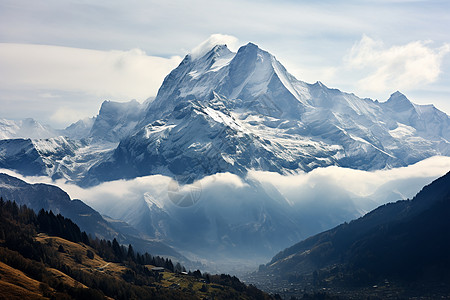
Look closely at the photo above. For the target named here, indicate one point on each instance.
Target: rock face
(116, 120)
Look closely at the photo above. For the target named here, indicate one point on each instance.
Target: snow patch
(402, 131)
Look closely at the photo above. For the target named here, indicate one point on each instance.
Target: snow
(163, 130)
(402, 131)
(221, 111)
(26, 128)
(194, 74)
(222, 62)
(150, 200)
(219, 119)
(296, 88)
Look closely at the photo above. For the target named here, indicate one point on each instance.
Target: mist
(223, 220)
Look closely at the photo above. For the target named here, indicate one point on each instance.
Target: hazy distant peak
(26, 128)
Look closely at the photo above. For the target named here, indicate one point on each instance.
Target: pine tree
(85, 238)
(117, 250)
(130, 253)
(178, 268)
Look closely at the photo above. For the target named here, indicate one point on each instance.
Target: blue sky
(60, 59)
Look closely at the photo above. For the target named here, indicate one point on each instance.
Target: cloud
(398, 67)
(118, 74)
(359, 183)
(309, 37)
(257, 215)
(369, 187)
(63, 115)
(213, 40)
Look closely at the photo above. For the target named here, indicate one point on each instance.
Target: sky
(60, 59)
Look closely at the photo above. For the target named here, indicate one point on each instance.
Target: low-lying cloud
(368, 188)
(223, 216)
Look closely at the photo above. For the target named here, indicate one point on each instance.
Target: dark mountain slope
(404, 242)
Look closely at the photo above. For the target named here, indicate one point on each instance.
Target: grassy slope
(14, 284)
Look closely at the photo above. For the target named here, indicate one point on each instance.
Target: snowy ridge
(250, 113)
(116, 120)
(235, 112)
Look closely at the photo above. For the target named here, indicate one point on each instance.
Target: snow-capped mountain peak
(221, 111)
(398, 102)
(251, 78)
(215, 52)
(226, 112)
(116, 120)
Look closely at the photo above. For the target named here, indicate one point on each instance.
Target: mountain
(67, 153)
(116, 120)
(234, 112)
(49, 197)
(79, 129)
(26, 128)
(57, 157)
(231, 112)
(399, 243)
(219, 221)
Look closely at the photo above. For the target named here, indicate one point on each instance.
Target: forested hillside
(397, 250)
(46, 256)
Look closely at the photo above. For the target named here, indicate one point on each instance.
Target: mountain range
(222, 114)
(232, 112)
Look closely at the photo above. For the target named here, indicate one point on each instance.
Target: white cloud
(321, 187)
(398, 67)
(359, 183)
(118, 74)
(213, 40)
(309, 37)
(263, 204)
(64, 115)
